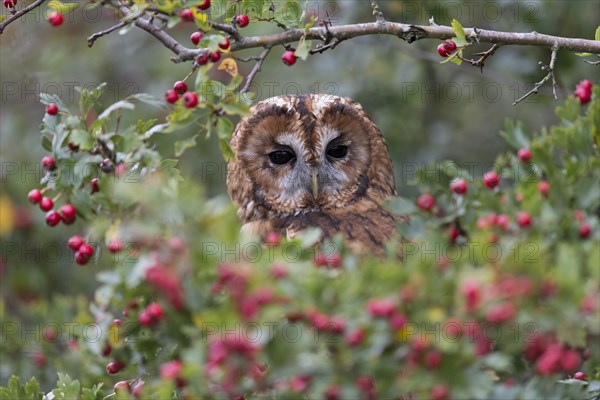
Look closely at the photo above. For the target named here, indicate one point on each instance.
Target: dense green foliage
(496, 292)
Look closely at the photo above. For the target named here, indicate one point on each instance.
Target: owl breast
(312, 160)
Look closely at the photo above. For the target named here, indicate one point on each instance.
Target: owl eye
(281, 157)
(338, 151)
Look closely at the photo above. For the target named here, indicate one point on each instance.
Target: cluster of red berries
(583, 91)
(446, 48)
(83, 250)
(151, 315)
(333, 260)
(10, 3)
(189, 99)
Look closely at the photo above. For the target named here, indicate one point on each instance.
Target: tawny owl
(312, 160)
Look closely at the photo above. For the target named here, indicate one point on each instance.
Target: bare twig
(549, 76)
(231, 30)
(376, 12)
(484, 56)
(98, 35)
(322, 48)
(19, 14)
(247, 59)
(256, 69)
(593, 62)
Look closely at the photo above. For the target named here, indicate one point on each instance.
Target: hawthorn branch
(484, 56)
(261, 59)
(410, 33)
(231, 30)
(92, 38)
(19, 14)
(549, 76)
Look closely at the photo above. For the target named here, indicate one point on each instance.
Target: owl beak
(315, 182)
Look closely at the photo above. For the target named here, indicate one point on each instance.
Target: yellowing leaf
(199, 16)
(63, 8)
(230, 66)
(461, 38)
(3, 17)
(7, 215)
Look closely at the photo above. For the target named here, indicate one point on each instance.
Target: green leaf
(513, 134)
(597, 35)
(224, 128)
(149, 99)
(183, 145)
(46, 143)
(226, 149)
(303, 48)
(116, 106)
(32, 389)
(81, 138)
(167, 166)
(453, 57)
(66, 387)
(461, 38)
(47, 98)
(583, 54)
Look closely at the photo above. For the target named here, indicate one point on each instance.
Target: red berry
(186, 15)
(202, 59)
(86, 250)
(570, 360)
(171, 369)
(355, 337)
(75, 242)
(205, 5)
(491, 179)
(523, 219)
(273, 238)
(180, 87)
(320, 259)
(46, 204)
(584, 230)
(441, 49)
(48, 162)
(137, 390)
(439, 392)
(214, 56)
(39, 359)
(524, 155)
(56, 19)
(106, 166)
(73, 147)
(122, 386)
(115, 246)
(155, 311)
(242, 20)
(171, 96)
(433, 359)
(459, 186)
(95, 185)
(68, 212)
(289, 57)
(51, 109)
(450, 45)
(52, 218)
(333, 392)
(145, 319)
(426, 202)
(106, 350)
(35, 196)
(115, 367)
(582, 376)
(10, 3)
(544, 188)
(334, 260)
(196, 36)
(583, 91)
(190, 99)
(381, 307)
(225, 45)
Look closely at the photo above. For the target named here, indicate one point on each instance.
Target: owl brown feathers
(312, 160)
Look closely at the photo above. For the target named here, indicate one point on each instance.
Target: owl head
(304, 154)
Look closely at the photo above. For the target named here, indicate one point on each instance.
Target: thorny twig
(92, 38)
(256, 69)
(549, 76)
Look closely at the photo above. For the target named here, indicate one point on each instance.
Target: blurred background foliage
(427, 111)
